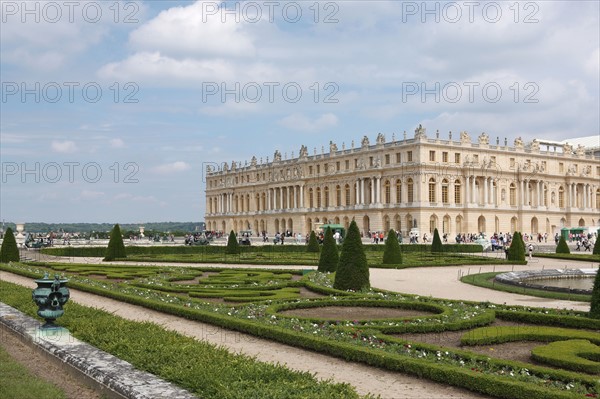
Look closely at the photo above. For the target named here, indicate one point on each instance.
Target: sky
(111, 110)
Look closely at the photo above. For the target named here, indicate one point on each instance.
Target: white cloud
(65, 147)
(117, 143)
(301, 122)
(169, 168)
(90, 195)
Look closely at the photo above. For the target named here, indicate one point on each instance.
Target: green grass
(17, 382)
(485, 280)
(202, 368)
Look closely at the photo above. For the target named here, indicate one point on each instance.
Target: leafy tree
(392, 254)
(436, 245)
(516, 251)
(313, 244)
(352, 271)
(562, 247)
(116, 248)
(596, 250)
(9, 251)
(329, 255)
(595, 305)
(232, 245)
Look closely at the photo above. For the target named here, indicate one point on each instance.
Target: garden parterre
(359, 340)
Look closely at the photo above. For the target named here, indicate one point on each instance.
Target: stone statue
(420, 132)
(209, 168)
(580, 151)
(567, 148)
(303, 152)
(364, 142)
(277, 156)
(253, 161)
(464, 137)
(361, 164)
(571, 170)
(332, 147)
(380, 139)
(233, 165)
(225, 167)
(378, 162)
(484, 139)
(535, 145)
(519, 142)
(586, 171)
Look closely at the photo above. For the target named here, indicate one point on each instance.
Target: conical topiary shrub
(9, 251)
(392, 254)
(232, 245)
(596, 250)
(329, 255)
(352, 271)
(562, 247)
(116, 248)
(313, 244)
(436, 245)
(516, 251)
(595, 305)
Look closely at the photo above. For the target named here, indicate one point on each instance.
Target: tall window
(545, 195)
(513, 194)
(457, 196)
(318, 197)
(398, 157)
(398, 191)
(598, 203)
(457, 157)
(387, 192)
(338, 196)
(347, 194)
(326, 196)
(432, 190)
(561, 197)
(445, 157)
(409, 156)
(387, 159)
(410, 190)
(445, 191)
(311, 202)
(432, 156)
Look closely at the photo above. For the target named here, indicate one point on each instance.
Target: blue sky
(110, 110)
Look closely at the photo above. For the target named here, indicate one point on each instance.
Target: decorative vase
(50, 297)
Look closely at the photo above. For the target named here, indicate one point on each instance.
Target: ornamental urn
(50, 296)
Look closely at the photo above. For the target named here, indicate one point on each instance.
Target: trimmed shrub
(562, 247)
(516, 251)
(313, 244)
(329, 255)
(9, 251)
(352, 271)
(392, 253)
(596, 250)
(436, 245)
(232, 245)
(595, 305)
(116, 248)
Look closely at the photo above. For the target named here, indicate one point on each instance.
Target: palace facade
(412, 185)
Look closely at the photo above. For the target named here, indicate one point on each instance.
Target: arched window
(598, 201)
(387, 192)
(338, 195)
(398, 192)
(347, 194)
(326, 196)
(513, 194)
(410, 189)
(432, 190)
(457, 196)
(318, 197)
(445, 191)
(561, 197)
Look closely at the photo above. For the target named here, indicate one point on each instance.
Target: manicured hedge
(549, 319)
(501, 334)
(577, 355)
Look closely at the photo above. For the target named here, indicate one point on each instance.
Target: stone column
(362, 191)
(474, 190)
(485, 191)
(302, 196)
(467, 193)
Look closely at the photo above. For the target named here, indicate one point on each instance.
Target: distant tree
(116, 248)
(313, 244)
(436, 245)
(392, 254)
(329, 255)
(352, 271)
(516, 251)
(596, 250)
(595, 304)
(563, 247)
(9, 251)
(232, 245)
